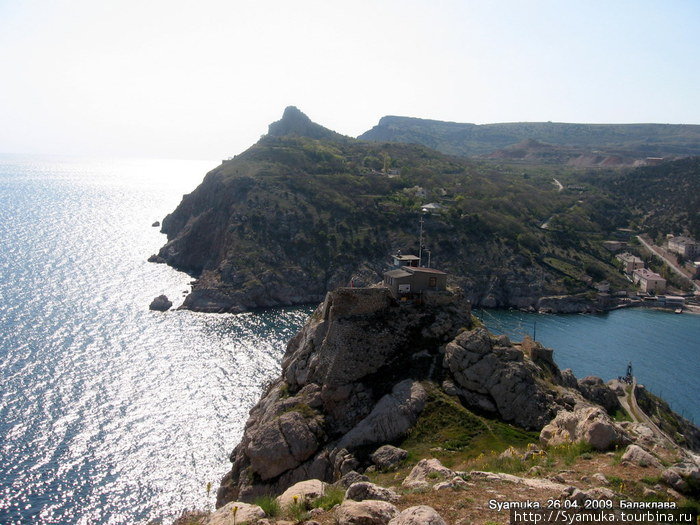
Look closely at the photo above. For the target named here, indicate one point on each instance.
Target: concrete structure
(649, 281)
(410, 281)
(629, 262)
(684, 246)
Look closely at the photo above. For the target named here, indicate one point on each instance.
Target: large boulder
(367, 512)
(425, 472)
(419, 515)
(388, 456)
(234, 513)
(586, 424)
(308, 490)
(365, 490)
(637, 455)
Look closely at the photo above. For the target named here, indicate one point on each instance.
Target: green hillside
(295, 216)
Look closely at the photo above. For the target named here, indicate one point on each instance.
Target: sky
(202, 80)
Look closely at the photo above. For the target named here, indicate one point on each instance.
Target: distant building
(629, 262)
(407, 281)
(614, 246)
(649, 281)
(432, 207)
(684, 246)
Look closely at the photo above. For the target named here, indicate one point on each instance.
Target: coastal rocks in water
(388, 456)
(426, 471)
(156, 259)
(161, 303)
(365, 490)
(565, 304)
(418, 515)
(367, 512)
(155, 224)
(499, 379)
(235, 512)
(305, 491)
(588, 424)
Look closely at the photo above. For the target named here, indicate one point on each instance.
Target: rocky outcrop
(355, 378)
(496, 377)
(160, 303)
(587, 424)
(350, 383)
(595, 390)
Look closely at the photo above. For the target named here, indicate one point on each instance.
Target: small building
(649, 281)
(432, 207)
(405, 260)
(409, 281)
(614, 246)
(685, 246)
(630, 262)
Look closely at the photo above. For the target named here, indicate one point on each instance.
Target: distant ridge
(465, 139)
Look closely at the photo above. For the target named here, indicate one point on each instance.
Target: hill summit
(295, 123)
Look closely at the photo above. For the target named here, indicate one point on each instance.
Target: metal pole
(420, 247)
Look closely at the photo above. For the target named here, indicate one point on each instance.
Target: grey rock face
(365, 490)
(499, 378)
(160, 303)
(595, 390)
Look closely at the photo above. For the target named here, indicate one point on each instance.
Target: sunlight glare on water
(109, 412)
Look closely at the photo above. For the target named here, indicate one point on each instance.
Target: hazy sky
(203, 79)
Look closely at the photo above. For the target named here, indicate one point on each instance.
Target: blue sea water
(111, 413)
(664, 347)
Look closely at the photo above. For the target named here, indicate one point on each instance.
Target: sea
(111, 413)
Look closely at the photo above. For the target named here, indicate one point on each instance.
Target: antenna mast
(420, 247)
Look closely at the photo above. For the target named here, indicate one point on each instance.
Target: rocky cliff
(362, 371)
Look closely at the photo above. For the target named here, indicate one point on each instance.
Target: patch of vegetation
(298, 510)
(621, 414)
(454, 434)
(269, 504)
(332, 497)
(303, 409)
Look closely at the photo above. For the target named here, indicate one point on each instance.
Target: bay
(664, 347)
